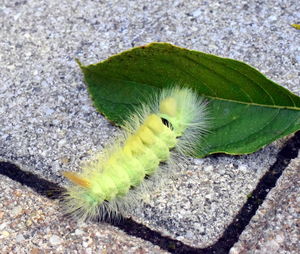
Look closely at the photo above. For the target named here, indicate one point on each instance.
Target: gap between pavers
(33, 224)
(275, 227)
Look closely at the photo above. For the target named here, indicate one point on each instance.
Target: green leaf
(248, 110)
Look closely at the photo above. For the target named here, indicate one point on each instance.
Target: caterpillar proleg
(172, 123)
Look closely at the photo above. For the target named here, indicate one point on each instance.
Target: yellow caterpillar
(172, 123)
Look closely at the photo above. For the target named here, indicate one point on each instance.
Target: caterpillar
(170, 124)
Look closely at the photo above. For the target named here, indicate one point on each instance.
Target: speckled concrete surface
(32, 224)
(275, 228)
(204, 197)
(48, 123)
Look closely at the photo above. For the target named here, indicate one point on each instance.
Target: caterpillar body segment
(170, 124)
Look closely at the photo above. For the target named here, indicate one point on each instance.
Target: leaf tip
(297, 26)
(79, 63)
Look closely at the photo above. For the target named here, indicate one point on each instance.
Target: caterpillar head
(168, 109)
(186, 116)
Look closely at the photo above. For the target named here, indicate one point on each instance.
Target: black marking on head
(167, 123)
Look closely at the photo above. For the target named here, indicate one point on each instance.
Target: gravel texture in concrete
(203, 198)
(275, 228)
(48, 123)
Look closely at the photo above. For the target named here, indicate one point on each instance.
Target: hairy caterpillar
(172, 123)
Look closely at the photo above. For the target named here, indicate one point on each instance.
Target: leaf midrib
(210, 97)
(255, 133)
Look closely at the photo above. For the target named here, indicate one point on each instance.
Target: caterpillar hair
(171, 124)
